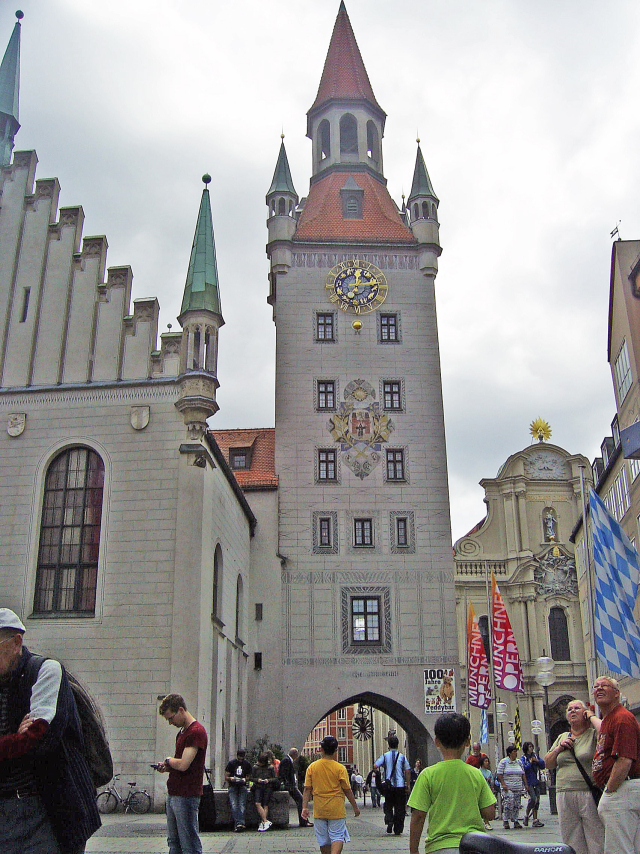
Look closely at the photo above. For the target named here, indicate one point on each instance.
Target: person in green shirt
(454, 795)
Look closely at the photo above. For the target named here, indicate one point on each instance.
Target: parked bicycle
(485, 843)
(137, 800)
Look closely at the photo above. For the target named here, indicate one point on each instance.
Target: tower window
(257, 661)
(324, 135)
(365, 619)
(348, 134)
(622, 372)
(363, 533)
(402, 532)
(389, 328)
(373, 148)
(392, 395)
(416, 211)
(325, 327)
(326, 399)
(259, 610)
(425, 210)
(327, 467)
(395, 464)
(324, 532)
(282, 207)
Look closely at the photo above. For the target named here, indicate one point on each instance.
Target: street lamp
(545, 677)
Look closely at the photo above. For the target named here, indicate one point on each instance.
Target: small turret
(422, 207)
(282, 201)
(200, 318)
(9, 93)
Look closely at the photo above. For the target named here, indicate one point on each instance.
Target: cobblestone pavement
(146, 834)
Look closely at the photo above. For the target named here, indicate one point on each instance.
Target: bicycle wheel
(106, 802)
(139, 802)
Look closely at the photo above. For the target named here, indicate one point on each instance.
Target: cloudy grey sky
(529, 120)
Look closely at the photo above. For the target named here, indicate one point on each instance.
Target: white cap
(10, 620)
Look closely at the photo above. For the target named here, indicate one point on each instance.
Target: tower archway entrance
(354, 714)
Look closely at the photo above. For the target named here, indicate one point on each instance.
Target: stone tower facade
(368, 598)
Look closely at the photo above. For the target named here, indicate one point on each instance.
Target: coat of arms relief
(360, 428)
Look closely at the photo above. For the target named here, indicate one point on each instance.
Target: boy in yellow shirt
(454, 795)
(327, 780)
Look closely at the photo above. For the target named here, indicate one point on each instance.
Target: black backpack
(96, 745)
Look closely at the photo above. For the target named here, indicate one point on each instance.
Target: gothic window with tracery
(67, 571)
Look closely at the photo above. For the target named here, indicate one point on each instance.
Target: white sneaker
(261, 827)
(267, 825)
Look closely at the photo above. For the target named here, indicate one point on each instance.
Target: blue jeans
(238, 801)
(182, 825)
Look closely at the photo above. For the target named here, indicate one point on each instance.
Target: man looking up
(328, 782)
(616, 769)
(185, 769)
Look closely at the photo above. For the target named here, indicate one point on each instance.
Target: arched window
(273, 207)
(348, 135)
(239, 607)
(216, 598)
(425, 210)
(559, 635)
(67, 572)
(416, 211)
(483, 625)
(324, 135)
(290, 208)
(282, 207)
(373, 149)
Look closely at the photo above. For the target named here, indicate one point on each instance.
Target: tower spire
(282, 180)
(421, 185)
(344, 77)
(201, 290)
(9, 93)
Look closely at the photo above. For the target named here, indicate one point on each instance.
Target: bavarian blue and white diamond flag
(484, 727)
(617, 575)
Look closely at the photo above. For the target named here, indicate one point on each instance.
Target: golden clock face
(357, 286)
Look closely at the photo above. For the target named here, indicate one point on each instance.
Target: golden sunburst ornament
(540, 430)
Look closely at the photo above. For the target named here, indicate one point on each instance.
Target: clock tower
(368, 601)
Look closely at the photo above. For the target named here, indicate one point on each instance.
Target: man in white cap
(47, 799)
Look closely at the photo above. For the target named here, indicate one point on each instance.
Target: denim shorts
(330, 830)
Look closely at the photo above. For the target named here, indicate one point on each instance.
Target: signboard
(439, 690)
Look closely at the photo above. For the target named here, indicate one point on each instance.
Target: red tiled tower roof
(261, 443)
(322, 217)
(344, 76)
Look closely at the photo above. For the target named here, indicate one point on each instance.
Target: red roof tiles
(344, 75)
(322, 216)
(261, 473)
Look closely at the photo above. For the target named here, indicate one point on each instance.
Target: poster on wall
(439, 690)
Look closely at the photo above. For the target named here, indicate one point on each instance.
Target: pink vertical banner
(507, 668)
(478, 677)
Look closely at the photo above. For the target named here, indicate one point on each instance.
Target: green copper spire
(282, 181)
(201, 289)
(9, 93)
(421, 185)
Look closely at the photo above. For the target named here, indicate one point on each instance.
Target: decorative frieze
(359, 576)
(330, 259)
(89, 394)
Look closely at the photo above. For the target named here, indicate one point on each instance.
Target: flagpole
(588, 553)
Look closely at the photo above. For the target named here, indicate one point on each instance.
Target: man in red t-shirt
(476, 758)
(616, 769)
(185, 776)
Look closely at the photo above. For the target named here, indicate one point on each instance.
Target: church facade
(271, 576)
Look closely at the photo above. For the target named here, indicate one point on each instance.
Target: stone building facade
(532, 505)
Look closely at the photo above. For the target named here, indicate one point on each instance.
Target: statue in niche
(550, 525)
(555, 574)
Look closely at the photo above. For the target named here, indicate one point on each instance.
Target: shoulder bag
(386, 785)
(596, 791)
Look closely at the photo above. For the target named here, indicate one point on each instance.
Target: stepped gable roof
(344, 76)
(322, 217)
(261, 443)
